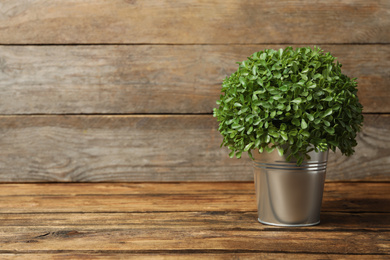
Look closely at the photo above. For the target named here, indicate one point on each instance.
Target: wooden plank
(153, 148)
(195, 21)
(330, 221)
(135, 203)
(183, 197)
(153, 78)
(334, 190)
(189, 228)
(179, 255)
(113, 148)
(201, 231)
(174, 188)
(192, 239)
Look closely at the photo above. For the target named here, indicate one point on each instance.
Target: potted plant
(287, 108)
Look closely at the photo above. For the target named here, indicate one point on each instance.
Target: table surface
(184, 221)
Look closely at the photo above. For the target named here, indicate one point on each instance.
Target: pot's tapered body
(287, 194)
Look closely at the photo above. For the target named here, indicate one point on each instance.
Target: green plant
(297, 99)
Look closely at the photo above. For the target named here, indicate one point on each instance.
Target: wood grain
(193, 239)
(194, 21)
(50, 227)
(153, 148)
(185, 197)
(153, 78)
(371, 152)
(334, 190)
(231, 219)
(178, 255)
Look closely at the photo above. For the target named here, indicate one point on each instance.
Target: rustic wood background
(123, 90)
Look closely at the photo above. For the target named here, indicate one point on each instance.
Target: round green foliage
(289, 98)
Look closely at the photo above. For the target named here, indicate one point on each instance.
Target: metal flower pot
(287, 194)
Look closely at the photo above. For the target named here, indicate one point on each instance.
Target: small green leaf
(269, 149)
(249, 117)
(231, 154)
(242, 99)
(296, 122)
(260, 91)
(273, 133)
(280, 151)
(333, 142)
(310, 116)
(295, 68)
(327, 112)
(283, 88)
(284, 136)
(229, 122)
(327, 123)
(228, 100)
(237, 104)
(300, 160)
(238, 155)
(316, 76)
(297, 100)
(305, 93)
(293, 132)
(328, 98)
(250, 155)
(242, 81)
(280, 53)
(303, 124)
(235, 126)
(257, 121)
(277, 74)
(248, 146)
(336, 107)
(242, 111)
(330, 130)
(254, 70)
(259, 81)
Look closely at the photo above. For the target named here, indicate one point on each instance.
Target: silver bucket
(287, 194)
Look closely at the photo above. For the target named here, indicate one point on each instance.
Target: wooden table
(184, 221)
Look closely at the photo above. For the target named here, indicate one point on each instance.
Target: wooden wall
(123, 90)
